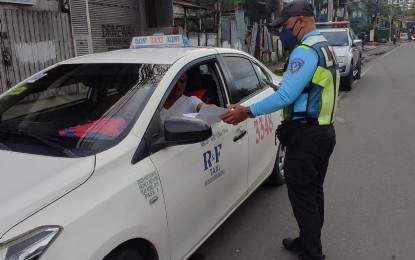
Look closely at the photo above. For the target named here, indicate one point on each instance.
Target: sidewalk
(376, 50)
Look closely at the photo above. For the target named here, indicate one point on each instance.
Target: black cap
(295, 8)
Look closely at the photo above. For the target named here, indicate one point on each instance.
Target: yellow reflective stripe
(303, 47)
(284, 114)
(324, 79)
(337, 94)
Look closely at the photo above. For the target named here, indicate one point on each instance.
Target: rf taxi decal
(211, 160)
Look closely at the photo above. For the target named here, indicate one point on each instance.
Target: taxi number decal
(263, 126)
(149, 185)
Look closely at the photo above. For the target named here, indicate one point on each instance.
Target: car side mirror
(271, 84)
(176, 130)
(357, 42)
(186, 130)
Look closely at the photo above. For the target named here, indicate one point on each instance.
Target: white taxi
(89, 170)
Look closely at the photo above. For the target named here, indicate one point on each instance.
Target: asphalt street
(370, 184)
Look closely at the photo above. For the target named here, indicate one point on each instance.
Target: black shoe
(301, 257)
(291, 244)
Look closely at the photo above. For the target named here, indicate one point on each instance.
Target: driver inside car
(179, 104)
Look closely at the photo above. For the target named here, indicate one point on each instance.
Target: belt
(304, 122)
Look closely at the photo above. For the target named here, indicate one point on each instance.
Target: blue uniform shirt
(301, 67)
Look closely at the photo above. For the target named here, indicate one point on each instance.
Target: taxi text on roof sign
(159, 41)
(341, 24)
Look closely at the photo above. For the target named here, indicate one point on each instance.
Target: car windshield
(336, 38)
(76, 110)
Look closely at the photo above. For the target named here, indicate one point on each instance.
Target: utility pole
(330, 11)
(346, 13)
(390, 21)
(218, 23)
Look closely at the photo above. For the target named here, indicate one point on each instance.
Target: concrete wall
(41, 5)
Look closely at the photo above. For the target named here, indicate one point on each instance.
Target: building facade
(35, 34)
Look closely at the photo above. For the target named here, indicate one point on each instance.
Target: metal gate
(31, 41)
(104, 25)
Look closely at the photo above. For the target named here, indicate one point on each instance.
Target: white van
(404, 36)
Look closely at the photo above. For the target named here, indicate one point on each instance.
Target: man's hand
(237, 114)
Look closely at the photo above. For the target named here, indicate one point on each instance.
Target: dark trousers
(307, 158)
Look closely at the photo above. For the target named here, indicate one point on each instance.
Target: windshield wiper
(43, 140)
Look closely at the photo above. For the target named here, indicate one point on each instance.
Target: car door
(247, 88)
(202, 182)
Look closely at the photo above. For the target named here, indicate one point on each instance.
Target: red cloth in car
(197, 93)
(106, 126)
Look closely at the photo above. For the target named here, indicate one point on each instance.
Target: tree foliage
(250, 6)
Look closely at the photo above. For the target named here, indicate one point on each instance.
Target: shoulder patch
(296, 64)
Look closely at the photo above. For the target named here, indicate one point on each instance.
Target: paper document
(211, 114)
(190, 115)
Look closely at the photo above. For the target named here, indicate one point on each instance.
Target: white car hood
(341, 50)
(30, 182)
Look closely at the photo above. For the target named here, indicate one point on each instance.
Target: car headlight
(341, 59)
(31, 245)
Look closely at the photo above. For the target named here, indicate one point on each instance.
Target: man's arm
(199, 106)
(301, 67)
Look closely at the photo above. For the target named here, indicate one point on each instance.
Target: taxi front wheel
(125, 254)
(277, 176)
(347, 82)
(359, 69)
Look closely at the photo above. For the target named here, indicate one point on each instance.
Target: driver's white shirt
(183, 105)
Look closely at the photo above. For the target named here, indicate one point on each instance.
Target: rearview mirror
(271, 84)
(357, 42)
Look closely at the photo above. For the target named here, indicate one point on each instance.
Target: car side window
(244, 77)
(202, 83)
(199, 81)
(352, 36)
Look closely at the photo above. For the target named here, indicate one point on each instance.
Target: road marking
(386, 54)
(363, 73)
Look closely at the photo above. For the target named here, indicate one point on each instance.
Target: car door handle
(242, 134)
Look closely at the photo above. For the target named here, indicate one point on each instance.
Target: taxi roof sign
(341, 24)
(159, 41)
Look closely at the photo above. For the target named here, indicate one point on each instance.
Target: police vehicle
(348, 49)
(89, 170)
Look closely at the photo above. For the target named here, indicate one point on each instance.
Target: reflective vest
(322, 91)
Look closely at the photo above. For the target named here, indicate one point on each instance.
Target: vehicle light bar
(159, 41)
(343, 24)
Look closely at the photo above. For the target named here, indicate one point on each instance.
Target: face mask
(287, 36)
